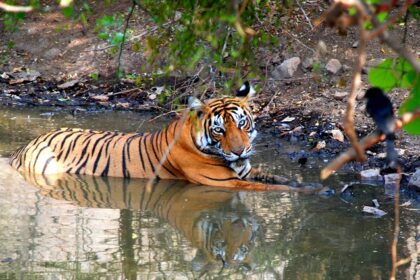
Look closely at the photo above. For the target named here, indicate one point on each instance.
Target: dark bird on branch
(380, 109)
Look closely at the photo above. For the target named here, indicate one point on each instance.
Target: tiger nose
(238, 152)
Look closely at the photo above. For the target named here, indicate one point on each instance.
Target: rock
(287, 69)
(319, 146)
(374, 211)
(371, 175)
(288, 119)
(333, 66)
(340, 95)
(101, 98)
(415, 179)
(337, 135)
(321, 47)
(25, 75)
(68, 84)
(355, 44)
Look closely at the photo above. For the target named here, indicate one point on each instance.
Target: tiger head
(224, 127)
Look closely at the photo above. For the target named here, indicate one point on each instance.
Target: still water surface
(82, 227)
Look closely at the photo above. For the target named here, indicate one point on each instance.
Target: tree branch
(14, 8)
(127, 21)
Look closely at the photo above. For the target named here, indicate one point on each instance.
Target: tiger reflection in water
(216, 221)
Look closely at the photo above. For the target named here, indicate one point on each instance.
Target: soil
(74, 69)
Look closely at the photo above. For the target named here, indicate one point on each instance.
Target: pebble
(415, 179)
(340, 95)
(287, 69)
(371, 175)
(333, 66)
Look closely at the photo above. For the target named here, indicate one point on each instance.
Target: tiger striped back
(89, 152)
(211, 146)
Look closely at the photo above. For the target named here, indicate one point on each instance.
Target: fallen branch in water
(366, 142)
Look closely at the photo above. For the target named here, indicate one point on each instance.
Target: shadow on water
(215, 221)
(176, 229)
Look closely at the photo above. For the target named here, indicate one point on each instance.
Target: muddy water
(74, 227)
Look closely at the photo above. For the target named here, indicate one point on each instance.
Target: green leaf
(408, 79)
(352, 11)
(414, 12)
(370, 2)
(382, 16)
(411, 104)
(382, 75)
(105, 21)
(103, 35)
(68, 11)
(117, 38)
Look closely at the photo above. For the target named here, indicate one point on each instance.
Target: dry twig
(355, 85)
(15, 8)
(127, 21)
(305, 14)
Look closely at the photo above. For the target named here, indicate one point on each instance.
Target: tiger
(216, 221)
(211, 145)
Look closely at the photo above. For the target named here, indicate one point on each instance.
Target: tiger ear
(196, 105)
(246, 90)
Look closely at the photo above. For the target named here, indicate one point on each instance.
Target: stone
(337, 135)
(371, 175)
(68, 84)
(415, 179)
(321, 48)
(340, 95)
(374, 211)
(287, 69)
(333, 66)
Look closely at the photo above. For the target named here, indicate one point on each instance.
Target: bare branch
(367, 142)
(304, 14)
(127, 21)
(355, 85)
(14, 8)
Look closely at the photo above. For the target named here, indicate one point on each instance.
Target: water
(81, 227)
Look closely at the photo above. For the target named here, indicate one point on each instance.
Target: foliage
(220, 32)
(397, 72)
(109, 28)
(221, 35)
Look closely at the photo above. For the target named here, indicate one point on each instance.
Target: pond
(82, 227)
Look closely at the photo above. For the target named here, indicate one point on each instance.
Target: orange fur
(137, 156)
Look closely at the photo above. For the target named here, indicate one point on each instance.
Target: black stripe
(126, 173)
(148, 157)
(219, 179)
(36, 158)
(141, 152)
(106, 169)
(71, 146)
(246, 175)
(46, 164)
